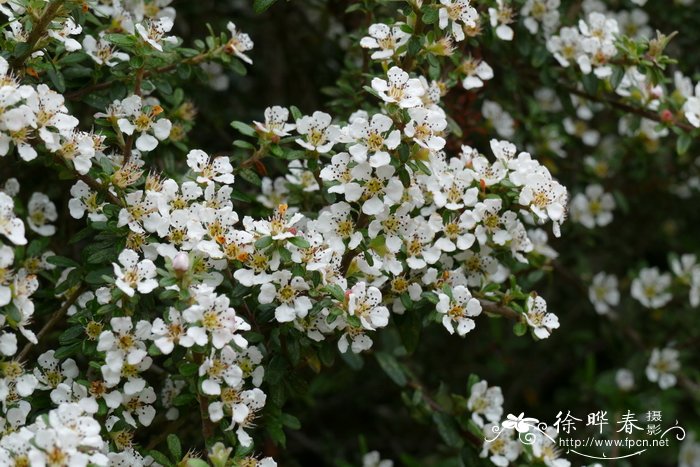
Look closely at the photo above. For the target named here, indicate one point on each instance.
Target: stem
(55, 318)
(145, 74)
(207, 425)
(627, 108)
(38, 30)
(92, 183)
(498, 309)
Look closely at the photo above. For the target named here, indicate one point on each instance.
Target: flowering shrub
(472, 170)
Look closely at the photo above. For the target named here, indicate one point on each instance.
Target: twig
(38, 30)
(498, 309)
(146, 74)
(648, 114)
(58, 316)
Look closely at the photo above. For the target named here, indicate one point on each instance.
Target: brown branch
(498, 309)
(38, 30)
(648, 114)
(145, 74)
(55, 318)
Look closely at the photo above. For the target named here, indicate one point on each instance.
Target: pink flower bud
(181, 262)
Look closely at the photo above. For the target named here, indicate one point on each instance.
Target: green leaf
(197, 463)
(448, 429)
(299, 242)
(250, 176)
(160, 458)
(430, 14)
(57, 79)
(391, 367)
(290, 421)
(261, 5)
(243, 128)
(187, 369)
(683, 143)
(121, 39)
(410, 326)
(263, 243)
(174, 446)
(62, 261)
(520, 329)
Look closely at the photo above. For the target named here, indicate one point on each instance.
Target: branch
(145, 74)
(38, 30)
(58, 316)
(498, 309)
(648, 114)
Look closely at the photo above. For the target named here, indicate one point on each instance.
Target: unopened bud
(181, 263)
(666, 116)
(219, 454)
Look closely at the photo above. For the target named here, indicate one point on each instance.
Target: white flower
(167, 334)
(545, 12)
(84, 199)
(338, 227)
(546, 450)
(425, 127)
(373, 459)
(500, 18)
(387, 39)
(420, 249)
(140, 405)
(102, 52)
(486, 401)
(276, 121)
(135, 119)
(689, 455)
(215, 317)
(691, 108)
(220, 369)
(365, 303)
(459, 309)
(286, 290)
(491, 223)
(7, 258)
(603, 292)
(41, 211)
(134, 274)
(123, 344)
(10, 226)
(566, 46)
(378, 190)
(154, 32)
(371, 142)
(69, 28)
(501, 120)
(456, 231)
(50, 372)
(399, 89)
(624, 379)
(320, 134)
(502, 450)
(239, 43)
(476, 71)
(456, 12)
(662, 367)
(651, 288)
(77, 147)
(593, 208)
(300, 175)
(218, 169)
(537, 317)
(545, 196)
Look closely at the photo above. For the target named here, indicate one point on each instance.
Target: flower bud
(181, 263)
(219, 454)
